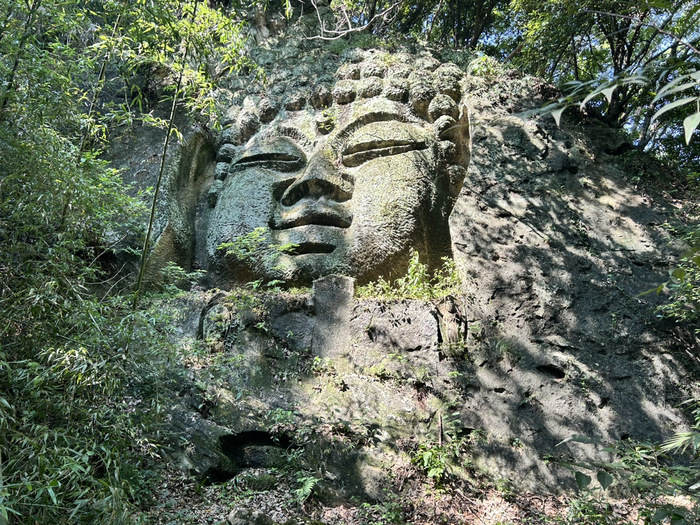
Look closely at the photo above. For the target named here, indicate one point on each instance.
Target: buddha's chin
(306, 264)
(309, 239)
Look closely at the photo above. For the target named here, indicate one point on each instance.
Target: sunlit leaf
(689, 124)
(52, 494)
(672, 105)
(578, 438)
(676, 89)
(664, 90)
(682, 441)
(678, 273)
(608, 92)
(591, 96)
(557, 115)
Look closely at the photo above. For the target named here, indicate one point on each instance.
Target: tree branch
(325, 33)
(654, 26)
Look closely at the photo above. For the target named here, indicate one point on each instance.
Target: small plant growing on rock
(174, 278)
(592, 507)
(386, 512)
(306, 484)
(436, 459)
(418, 283)
(244, 248)
(433, 460)
(323, 366)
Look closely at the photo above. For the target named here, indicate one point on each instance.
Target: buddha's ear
(459, 133)
(186, 177)
(452, 178)
(464, 137)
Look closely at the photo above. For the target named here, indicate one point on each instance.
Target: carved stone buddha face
(344, 180)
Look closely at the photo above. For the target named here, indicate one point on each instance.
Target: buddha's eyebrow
(289, 132)
(375, 116)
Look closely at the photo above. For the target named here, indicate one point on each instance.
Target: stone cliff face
(347, 172)
(552, 233)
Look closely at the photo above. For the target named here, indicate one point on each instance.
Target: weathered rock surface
(359, 404)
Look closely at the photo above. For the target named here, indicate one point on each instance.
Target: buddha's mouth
(309, 247)
(319, 213)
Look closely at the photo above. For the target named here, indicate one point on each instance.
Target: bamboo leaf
(590, 97)
(672, 105)
(557, 115)
(608, 92)
(671, 85)
(690, 123)
(52, 494)
(676, 89)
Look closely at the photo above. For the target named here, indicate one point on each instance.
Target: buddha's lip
(310, 248)
(319, 213)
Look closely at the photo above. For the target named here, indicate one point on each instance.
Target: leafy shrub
(72, 447)
(418, 283)
(684, 287)
(651, 472)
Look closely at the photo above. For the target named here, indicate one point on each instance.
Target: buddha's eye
(278, 154)
(382, 139)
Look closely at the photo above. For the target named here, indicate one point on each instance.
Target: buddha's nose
(320, 178)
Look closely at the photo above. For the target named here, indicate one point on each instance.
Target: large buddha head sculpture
(343, 177)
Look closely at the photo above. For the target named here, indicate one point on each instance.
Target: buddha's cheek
(244, 204)
(392, 195)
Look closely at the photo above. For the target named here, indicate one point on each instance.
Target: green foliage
(323, 366)
(246, 247)
(592, 507)
(646, 470)
(684, 288)
(71, 445)
(418, 283)
(684, 440)
(174, 278)
(150, 45)
(437, 459)
(75, 360)
(687, 84)
(627, 63)
(387, 512)
(447, 22)
(433, 460)
(305, 487)
(486, 67)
